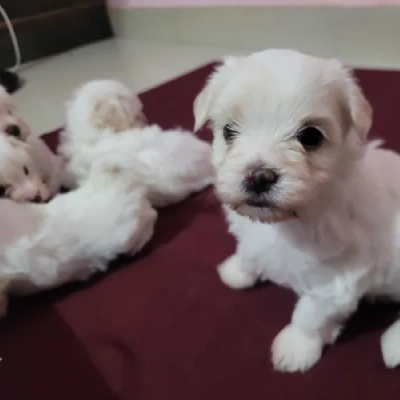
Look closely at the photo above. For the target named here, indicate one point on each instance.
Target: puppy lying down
(173, 164)
(20, 176)
(47, 165)
(107, 117)
(73, 236)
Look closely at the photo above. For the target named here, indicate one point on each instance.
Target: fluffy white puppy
(98, 109)
(10, 123)
(73, 236)
(173, 163)
(312, 206)
(103, 106)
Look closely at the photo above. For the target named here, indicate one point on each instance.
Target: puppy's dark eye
(13, 130)
(310, 138)
(229, 133)
(26, 170)
(2, 191)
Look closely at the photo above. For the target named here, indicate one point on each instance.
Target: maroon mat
(163, 327)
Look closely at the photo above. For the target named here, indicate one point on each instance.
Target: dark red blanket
(163, 327)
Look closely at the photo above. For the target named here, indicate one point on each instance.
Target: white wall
(359, 36)
(206, 3)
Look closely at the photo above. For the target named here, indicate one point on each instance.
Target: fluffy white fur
(98, 109)
(329, 227)
(49, 165)
(73, 236)
(173, 163)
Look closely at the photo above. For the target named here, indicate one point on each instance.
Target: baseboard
(53, 32)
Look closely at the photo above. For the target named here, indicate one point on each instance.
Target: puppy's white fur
(48, 165)
(46, 245)
(330, 228)
(173, 163)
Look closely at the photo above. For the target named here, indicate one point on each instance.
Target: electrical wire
(14, 40)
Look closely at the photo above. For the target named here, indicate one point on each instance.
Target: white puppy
(20, 178)
(98, 109)
(312, 206)
(73, 236)
(48, 165)
(174, 163)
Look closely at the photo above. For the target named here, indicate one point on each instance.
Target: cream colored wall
(362, 36)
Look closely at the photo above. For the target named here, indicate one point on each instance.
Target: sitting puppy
(20, 178)
(48, 165)
(105, 118)
(73, 236)
(312, 206)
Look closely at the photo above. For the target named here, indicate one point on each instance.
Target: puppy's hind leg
(390, 345)
(233, 273)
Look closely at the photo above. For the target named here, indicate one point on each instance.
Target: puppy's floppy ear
(202, 104)
(205, 99)
(359, 107)
(361, 112)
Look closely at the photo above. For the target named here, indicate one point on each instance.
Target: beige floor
(50, 82)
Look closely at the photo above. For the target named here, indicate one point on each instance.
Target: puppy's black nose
(260, 181)
(13, 130)
(37, 199)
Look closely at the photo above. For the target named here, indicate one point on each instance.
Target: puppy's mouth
(258, 203)
(261, 210)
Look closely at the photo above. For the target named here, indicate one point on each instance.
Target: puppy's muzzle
(259, 181)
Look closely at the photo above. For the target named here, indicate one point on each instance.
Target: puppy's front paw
(295, 350)
(390, 345)
(233, 274)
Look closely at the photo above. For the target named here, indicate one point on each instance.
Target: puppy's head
(19, 179)
(10, 123)
(105, 105)
(285, 124)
